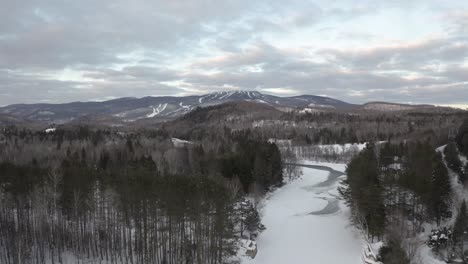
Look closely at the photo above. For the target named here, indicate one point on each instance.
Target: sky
(408, 51)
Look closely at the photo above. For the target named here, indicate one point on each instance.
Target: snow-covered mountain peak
(166, 107)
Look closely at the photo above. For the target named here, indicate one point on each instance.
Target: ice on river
(306, 224)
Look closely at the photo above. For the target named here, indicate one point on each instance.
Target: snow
(158, 110)
(396, 166)
(308, 110)
(214, 95)
(463, 159)
(425, 255)
(155, 113)
(185, 107)
(281, 142)
(297, 233)
(246, 245)
(179, 142)
(321, 106)
(200, 100)
(337, 148)
(370, 255)
(441, 149)
(50, 130)
(227, 95)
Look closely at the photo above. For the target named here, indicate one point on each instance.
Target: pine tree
(441, 190)
(452, 157)
(392, 252)
(249, 218)
(419, 170)
(462, 138)
(363, 192)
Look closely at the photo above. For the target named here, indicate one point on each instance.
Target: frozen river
(305, 222)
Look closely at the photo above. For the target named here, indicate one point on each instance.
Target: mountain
(160, 108)
(148, 110)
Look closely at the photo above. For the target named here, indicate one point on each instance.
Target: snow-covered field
(306, 224)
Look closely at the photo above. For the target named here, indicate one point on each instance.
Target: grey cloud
(28, 88)
(138, 48)
(407, 57)
(94, 32)
(457, 74)
(58, 33)
(287, 69)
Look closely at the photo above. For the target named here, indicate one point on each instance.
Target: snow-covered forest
(234, 132)
(409, 199)
(82, 196)
(209, 188)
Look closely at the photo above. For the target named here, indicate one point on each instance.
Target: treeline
(462, 138)
(91, 196)
(453, 150)
(256, 165)
(393, 189)
(452, 159)
(322, 127)
(329, 153)
(340, 128)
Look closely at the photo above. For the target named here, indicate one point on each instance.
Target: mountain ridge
(130, 109)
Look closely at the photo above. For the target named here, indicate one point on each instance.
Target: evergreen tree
(386, 154)
(363, 192)
(393, 253)
(441, 190)
(418, 170)
(462, 138)
(249, 218)
(452, 157)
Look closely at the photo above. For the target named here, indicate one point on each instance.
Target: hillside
(152, 110)
(162, 108)
(212, 118)
(394, 107)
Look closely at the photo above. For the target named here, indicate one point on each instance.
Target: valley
(233, 132)
(235, 180)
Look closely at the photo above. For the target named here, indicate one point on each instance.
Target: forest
(187, 191)
(320, 127)
(99, 196)
(340, 128)
(395, 189)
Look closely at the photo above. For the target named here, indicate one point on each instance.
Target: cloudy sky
(412, 51)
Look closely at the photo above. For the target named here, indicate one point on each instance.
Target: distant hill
(166, 107)
(7, 120)
(158, 109)
(239, 114)
(394, 107)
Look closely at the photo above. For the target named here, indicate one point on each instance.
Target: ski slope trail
(306, 223)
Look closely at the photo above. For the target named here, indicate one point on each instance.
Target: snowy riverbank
(307, 224)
